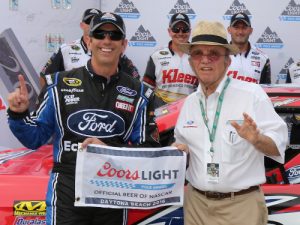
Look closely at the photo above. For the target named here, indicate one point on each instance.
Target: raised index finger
(23, 88)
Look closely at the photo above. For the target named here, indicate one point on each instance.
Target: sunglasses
(113, 35)
(212, 56)
(182, 29)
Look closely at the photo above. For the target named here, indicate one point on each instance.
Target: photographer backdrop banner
(41, 26)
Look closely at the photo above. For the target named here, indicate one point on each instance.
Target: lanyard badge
(213, 172)
(213, 169)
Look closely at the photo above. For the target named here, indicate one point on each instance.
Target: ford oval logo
(96, 123)
(126, 91)
(293, 172)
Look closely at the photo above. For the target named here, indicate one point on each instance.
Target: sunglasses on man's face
(182, 29)
(113, 35)
(212, 56)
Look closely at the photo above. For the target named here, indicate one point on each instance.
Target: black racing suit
(80, 104)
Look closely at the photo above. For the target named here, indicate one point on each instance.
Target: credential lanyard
(212, 134)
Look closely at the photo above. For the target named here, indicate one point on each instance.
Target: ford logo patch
(293, 173)
(126, 91)
(96, 123)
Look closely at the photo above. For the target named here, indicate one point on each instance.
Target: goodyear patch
(29, 208)
(73, 82)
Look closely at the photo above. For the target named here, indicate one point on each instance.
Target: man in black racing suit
(97, 101)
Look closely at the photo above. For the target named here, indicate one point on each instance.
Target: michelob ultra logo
(29, 208)
(73, 82)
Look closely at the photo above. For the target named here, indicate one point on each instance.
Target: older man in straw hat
(228, 126)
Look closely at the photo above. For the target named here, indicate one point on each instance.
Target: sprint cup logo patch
(73, 82)
(29, 208)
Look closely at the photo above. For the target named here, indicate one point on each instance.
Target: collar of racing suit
(83, 45)
(99, 77)
(248, 49)
(170, 47)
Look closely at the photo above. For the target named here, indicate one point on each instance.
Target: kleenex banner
(141, 178)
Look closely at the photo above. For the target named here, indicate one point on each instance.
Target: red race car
(24, 173)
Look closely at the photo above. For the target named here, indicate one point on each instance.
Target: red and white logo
(2, 104)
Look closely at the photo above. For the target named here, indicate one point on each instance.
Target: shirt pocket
(234, 147)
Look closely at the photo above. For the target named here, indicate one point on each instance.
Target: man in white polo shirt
(229, 126)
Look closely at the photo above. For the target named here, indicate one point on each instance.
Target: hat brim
(105, 22)
(241, 20)
(174, 23)
(186, 47)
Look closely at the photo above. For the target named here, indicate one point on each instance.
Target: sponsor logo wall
(275, 22)
(275, 26)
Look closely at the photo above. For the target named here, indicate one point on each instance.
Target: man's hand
(181, 147)
(18, 100)
(248, 130)
(92, 140)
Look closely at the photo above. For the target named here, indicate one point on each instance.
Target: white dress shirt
(241, 165)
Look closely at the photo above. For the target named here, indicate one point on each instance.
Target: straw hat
(209, 33)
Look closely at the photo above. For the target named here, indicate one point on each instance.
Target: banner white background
(141, 178)
(34, 19)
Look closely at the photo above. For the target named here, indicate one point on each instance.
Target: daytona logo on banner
(141, 178)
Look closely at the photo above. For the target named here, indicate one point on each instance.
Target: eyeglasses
(113, 35)
(182, 29)
(212, 56)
